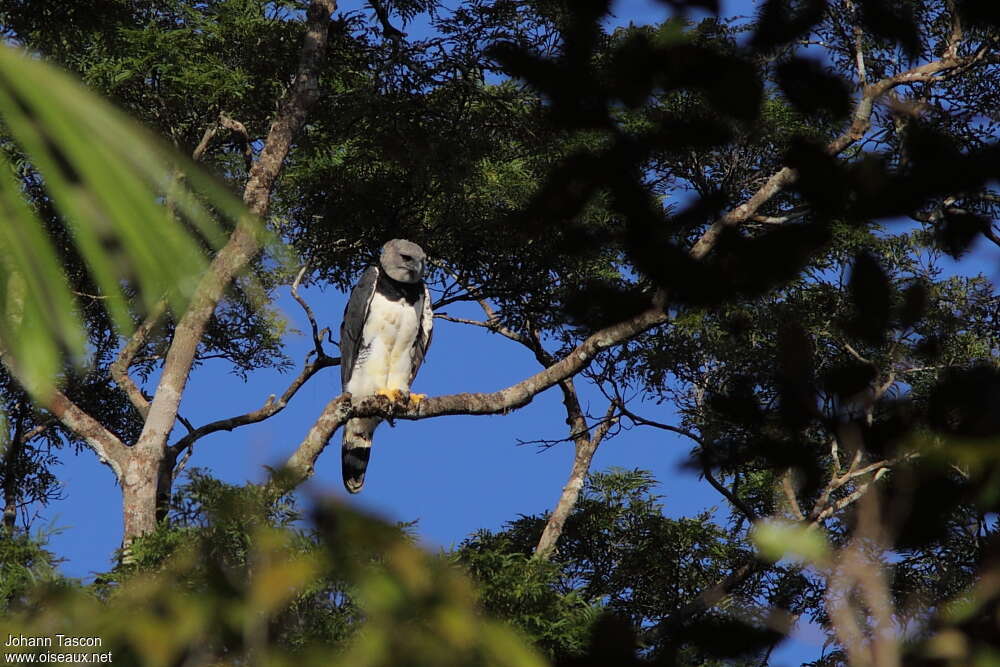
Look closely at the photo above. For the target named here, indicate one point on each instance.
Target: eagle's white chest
(385, 361)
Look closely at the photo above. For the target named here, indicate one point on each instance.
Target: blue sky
(453, 475)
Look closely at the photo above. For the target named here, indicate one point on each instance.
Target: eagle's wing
(423, 340)
(353, 325)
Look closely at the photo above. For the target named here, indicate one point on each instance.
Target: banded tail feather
(356, 451)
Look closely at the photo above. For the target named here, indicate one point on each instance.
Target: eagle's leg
(416, 398)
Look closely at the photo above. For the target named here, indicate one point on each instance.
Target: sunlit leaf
(779, 539)
(143, 218)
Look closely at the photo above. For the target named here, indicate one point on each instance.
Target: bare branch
(779, 219)
(857, 355)
(206, 140)
(301, 464)
(859, 54)
(490, 325)
(270, 408)
(727, 494)
(119, 369)
(181, 465)
(317, 333)
(109, 449)
(492, 319)
(708, 598)
(663, 427)
(793, 501)
(860, 122)
(240, 130)
(149, 452)
(583, 455)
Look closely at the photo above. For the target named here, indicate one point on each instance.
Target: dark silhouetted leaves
(612, 642)
(926, 497)
(821, 178)
(583, 29)
(703, 210)
(577, 102)
(892, 20)
(682, 5)
(811, 89)
(782, 21)
(597, 304)
(684, 133)
(631, 70)
(930, 349)
(730, 83)
(849, 378)
(567, 190)
(872, 296)
(795, 375)
(738, 404)
(541, 73)
(723, 638)
(957, 231)
(964, 403)
(884, 436)
(914, 306)
(738, 324)
(983, 13)
(750, 266)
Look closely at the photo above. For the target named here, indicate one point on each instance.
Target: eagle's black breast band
(393, 290)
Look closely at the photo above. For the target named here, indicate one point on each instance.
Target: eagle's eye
(406, 258)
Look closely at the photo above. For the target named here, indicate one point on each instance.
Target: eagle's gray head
(403, 260)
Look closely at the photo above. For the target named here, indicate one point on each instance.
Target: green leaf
(780, 539)
(143, 218)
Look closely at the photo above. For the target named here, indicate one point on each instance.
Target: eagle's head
(403, 260)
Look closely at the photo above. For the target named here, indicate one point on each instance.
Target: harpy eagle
(383, 339)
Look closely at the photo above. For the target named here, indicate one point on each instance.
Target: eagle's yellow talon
(416, 398)
(394, 395)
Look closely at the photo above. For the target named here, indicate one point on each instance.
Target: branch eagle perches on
(301, 464)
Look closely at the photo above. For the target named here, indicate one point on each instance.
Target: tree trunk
(584, 454)
(10, 487)
(140, 483)
(146, 476)
(10, 477)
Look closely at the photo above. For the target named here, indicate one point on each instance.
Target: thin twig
(317, 333)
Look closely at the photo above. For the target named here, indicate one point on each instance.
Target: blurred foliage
(238, 575)
(102, 173)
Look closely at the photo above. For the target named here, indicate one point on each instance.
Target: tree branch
(109, 449)
(317, 333)
(243, 244)
(270, 408)
(707, 599)
(240, 130)
(585, 447)
(119, 369)
(300, 465)
(492, 319)
(206, 140)
(860, 122)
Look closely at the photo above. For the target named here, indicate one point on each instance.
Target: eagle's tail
(356, 450)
